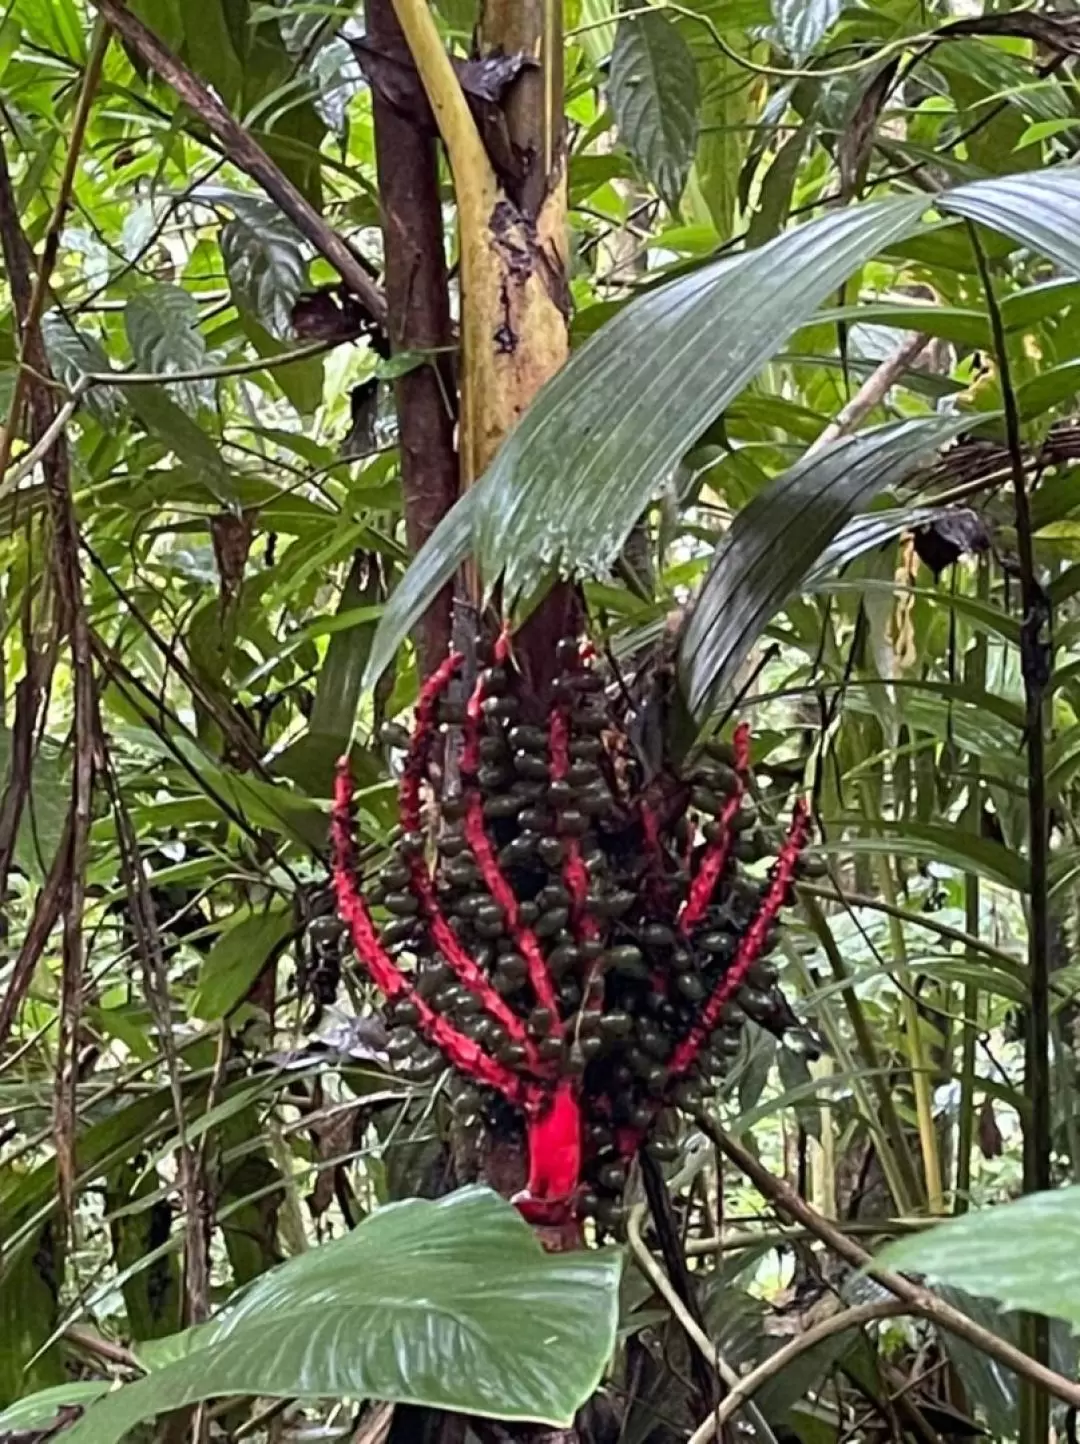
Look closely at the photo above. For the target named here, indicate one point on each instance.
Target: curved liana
(565, 933)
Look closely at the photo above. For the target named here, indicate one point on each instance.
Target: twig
(919, 1300)
(871, 392)
(749, 1384)
(102, 1348)
(694, 1332)
(247, 154)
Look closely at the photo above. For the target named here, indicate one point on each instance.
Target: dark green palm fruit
(520, 849)
(572, 822)
(401, 904)
(562, 958)
(687, 1094)
(591, 949)
(657, 935)
(751, 846)
(529, 792)
(761, 976)
(612, 1176)
(746, 818)
(392, 734)
(402, 1043)
(626, 958)
(489, 920)
(587, 1204)
(550, 1049)
(461, 871)
(525, 738)
(569, 996)
(591, 1045)
(412, 844)
(690, 987)
(511, 968)
(664, 1150)
(536, 819)
(599, 1138)
(400, 931)
(394, 874)
(553, 895)
(530, 766)
(705, 800)
(809, 866)
(551, 921)
(453, 807)
(403, 1012)
(528, 912)
(614, 904)
(550, 850)
(616, 1024)
(595, 801)
(512, 1054)
(468, 904)
(432, 976)
(494, 749)
(421, 1067)
(501, 806)
(586, 749)
(716, 942)
(375, 894)
(505, 709)
(468, 1005)
(540, 1022)
(560, 793)
(584, 774)
(492, 777)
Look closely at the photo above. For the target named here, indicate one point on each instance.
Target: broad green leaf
(776, 539)
(1041, 209)
(451, 1304)
(73, 354)
(265, 264)
(39, 1410)
(1025, 1254)
(162, 324)
(570, 482)
(237, 959)
(184, 437)
(943, 842)
(800, 24)
(654, 97)
(596, 28)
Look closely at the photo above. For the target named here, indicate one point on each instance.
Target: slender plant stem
(1036, 665)
(975, 672)
(922, 1301)
(749, 1384)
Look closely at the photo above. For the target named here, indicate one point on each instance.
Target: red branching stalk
(554, 1136)
(715, 859)
(494, 880)
(468, 971)
(465, 1054)
(750, 946)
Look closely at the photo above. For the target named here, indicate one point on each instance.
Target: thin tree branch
(247, 154)
(871, 393)
(694, 1332)
(749, 1384)
(918, 1299)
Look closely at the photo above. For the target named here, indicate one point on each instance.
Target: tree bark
(417, 296)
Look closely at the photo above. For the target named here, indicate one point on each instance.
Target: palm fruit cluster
(580, 942)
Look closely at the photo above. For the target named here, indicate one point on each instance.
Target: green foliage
(426, 1303)
(1020, 1253)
